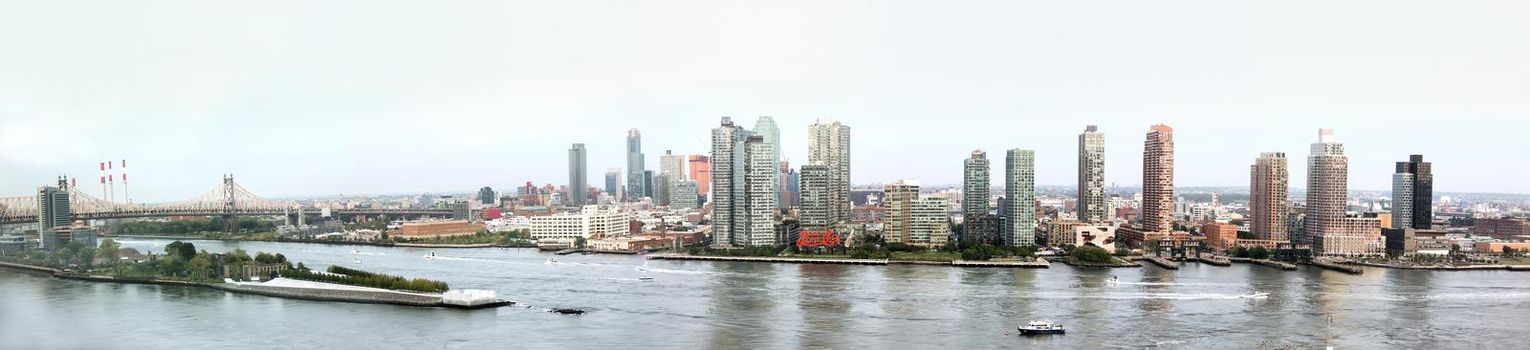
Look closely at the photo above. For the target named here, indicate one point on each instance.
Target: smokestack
(125, 198)
(111, 184)
(103, 180)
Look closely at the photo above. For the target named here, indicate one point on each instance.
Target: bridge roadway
(239, 212)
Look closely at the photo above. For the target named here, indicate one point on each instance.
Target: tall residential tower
(829, 145)
(975, 184)
(1269, 201)
(1091, 175)
(1158, 180)
(1413, 194)
(1020, 191)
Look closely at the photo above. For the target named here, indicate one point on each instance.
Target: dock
(1337, 267)
(1038, 264)
(1213, 260)
(1164, 263)
(567, 251)
(769, 259)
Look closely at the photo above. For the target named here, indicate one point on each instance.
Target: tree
(183, 250)
(579, 242)
(265, 258)
(1092, 254)
(110, 251)
(200, 267)
(1258, 253)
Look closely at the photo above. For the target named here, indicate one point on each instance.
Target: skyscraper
(648, 183)
(1413, 194)
(793, 188)
(975, 189)
(829, 145)
(817, 205)
(766, 128)
(1269, 194)
(637, 185)
(754, 200)
(1091, 175)
(1158, 180)
(578, 176)
(726, 139)
(701, 171)
(672, 165)
(1327, 228)
(1020, 192)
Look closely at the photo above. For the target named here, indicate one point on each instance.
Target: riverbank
(330, 242)
(287, 289)
(1039, 263)
(1447, 268)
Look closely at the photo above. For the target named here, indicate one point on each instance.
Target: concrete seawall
(770, 259)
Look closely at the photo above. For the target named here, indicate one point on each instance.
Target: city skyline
(280, 101)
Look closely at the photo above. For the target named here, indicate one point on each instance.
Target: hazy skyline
(320, 98)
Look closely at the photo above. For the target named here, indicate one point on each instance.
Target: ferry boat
(1040, 328)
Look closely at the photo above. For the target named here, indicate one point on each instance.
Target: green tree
(579, 242)
(110, 251)
(183, 250)
(1258, 253)
(1092, 254)
(200, 267)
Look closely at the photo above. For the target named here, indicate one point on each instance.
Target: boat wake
(668, 271)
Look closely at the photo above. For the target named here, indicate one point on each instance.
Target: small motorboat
(431, 256)
(1113, 281)
(551, 261)
(645, 278)
(1040, 328)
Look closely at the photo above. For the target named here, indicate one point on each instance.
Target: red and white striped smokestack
(125, 198)
(103, 179)
(111, 184)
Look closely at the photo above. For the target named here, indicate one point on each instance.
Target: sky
(318, 98)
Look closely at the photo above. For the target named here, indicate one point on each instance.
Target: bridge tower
(230, 220)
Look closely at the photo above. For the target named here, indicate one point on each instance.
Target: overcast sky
(302, 98)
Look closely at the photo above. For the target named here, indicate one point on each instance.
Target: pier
(1164, 263)
(1038, 264)
(1337, 267)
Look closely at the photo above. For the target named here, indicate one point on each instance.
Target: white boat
(1040, 328)
(551, 261)
(1113, 281)
(431, 256)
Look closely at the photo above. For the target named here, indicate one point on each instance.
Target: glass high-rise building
(614, 183)
(766, 128)
(1091, 175)
(1020, 192)
(1269, 192)
(1158, 180)
(578, 176)
(1413, 194)
(637, 185)
(829, 145)
(975, 190)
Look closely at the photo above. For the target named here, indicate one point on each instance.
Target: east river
(694, 304)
